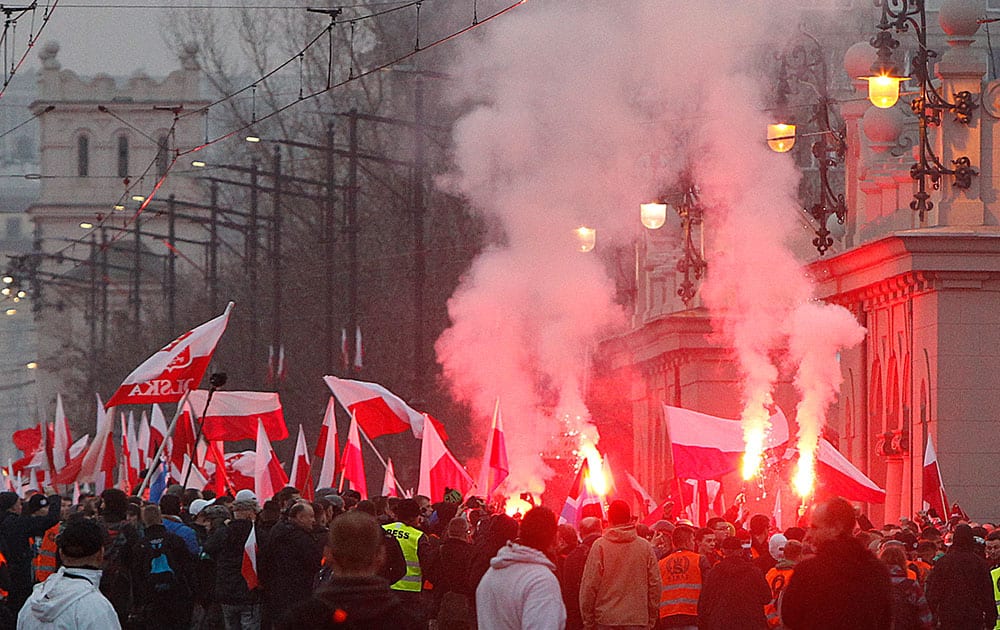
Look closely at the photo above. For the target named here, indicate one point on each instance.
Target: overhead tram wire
(32, 38)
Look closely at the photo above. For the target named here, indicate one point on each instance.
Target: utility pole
(276, 254)
(92, 307)
(251, 255)
(137, 283)
(213, 248)
(171, 264)
(419, 251)
(104, 288)
(329, 232)
(351, 227)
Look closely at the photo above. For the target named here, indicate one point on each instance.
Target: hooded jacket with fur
(520, 592)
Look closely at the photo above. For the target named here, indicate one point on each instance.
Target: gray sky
(96, 38)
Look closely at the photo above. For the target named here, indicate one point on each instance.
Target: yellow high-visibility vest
(408, 538)
(995, 574)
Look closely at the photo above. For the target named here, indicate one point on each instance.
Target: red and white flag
(142, 442)
(233, 416)
(327, 447)
(707, 447)
(579, 497)
(345, 356)
(249, 567)
(92, 468)
(61, 438)
(439, 469)
(134, 460)
(379, 411)
(77, 451)
(837, 476)
(359, 350)
(188, 474)
(701, 498)
(269, 476)
(301, 470)
(158, 430)
(353, 464)
(495, 465)
(217, 460)
(175, 369)
(182, 442)
(389, 482)
(129, 474)
(933, 493)
(642, 498)
(282, 366)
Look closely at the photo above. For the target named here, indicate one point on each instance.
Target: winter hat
(776, 546)
(7, 500)
(197, 506)
(246, 495)
(963, 537)
(216, 511)
(35, 503)
(247, 505)
(80, 537)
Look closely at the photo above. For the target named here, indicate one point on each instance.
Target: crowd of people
(194, 560)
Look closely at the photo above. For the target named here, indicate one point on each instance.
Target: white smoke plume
(568, 104)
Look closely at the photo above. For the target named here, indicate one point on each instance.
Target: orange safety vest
(777, 579)
(45, 562)
(3, 562)
(921, 568)
(680, 577)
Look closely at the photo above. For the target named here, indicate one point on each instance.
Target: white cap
(246, 495)
(776, 545)
(197, 506)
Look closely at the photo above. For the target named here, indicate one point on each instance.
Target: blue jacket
(185, 532)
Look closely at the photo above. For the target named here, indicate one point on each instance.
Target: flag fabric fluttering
(579, 497)
(837, 476)
(389, 481)
(61, 438)
(640, 495)
(707, 447)
(495, 467)
(158, 430)
(439, 469)
(269, 476)
(175, 369)
(701, 497)
(379, 411)
(249, 565)
(301, 470)
(92, 466)
(128, 475)
(282, 370)
(933, 486)
(353, 466)
(345, 356)
(142, 441)
(233, 416)
(220, 477)
(182, 442)
(327, 447)
(359, 350)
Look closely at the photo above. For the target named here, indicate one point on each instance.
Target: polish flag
(701, 495)
(77, 451)
(134, 459)
(579, 497)
(438, 467)
(240, 469)
(142, 442)
(345, 356)
(327, 447)
(389, 482)
(301, 470)
(933, 492)
(706, 447)
(61, 438)
(249, 567)
(220, 476)
(839, 477)
(379, 411)
(93, 462)
(269, 476)
(353, 464)
(129, 475)
(495, 466)
(176, 368)
(182, 443)
(233, 416)
(189, 474)
(282, 366)
(157, 430)
(645, 501)
(104, 476)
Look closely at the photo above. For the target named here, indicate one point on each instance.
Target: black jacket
(570, 579)
(960, 591)
(286, 566)
(225, 546)
(357, 603)
(733, 596)
(15, 532)
(843, 586)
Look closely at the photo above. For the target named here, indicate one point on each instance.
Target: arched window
(122, 156)
(82, 156)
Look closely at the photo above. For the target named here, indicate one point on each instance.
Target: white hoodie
(520, 592)
(69, 599)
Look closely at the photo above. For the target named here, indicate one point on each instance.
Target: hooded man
(959, 587)
(520, 589)
(70, 598)
(621, 580)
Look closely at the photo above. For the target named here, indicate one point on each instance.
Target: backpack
(116, 578)
(161, 578)
(904, 605)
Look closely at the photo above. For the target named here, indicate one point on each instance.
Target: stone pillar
(961, 68)
(857, 63)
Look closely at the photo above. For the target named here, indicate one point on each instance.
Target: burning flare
(756, 423)
(805, 473)
(597, 478)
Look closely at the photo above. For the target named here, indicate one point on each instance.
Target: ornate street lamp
(805, 64)
(900, 16)
(692, 262)
(586, 238)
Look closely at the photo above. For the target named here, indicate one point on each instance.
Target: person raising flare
(843, 585)
(520, 589)
(621, 582)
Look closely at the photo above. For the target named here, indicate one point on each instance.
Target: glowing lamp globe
(586, 238)
(653, 215)
(883, 90)
(781, 137)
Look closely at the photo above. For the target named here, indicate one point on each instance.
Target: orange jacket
(45, 563)
(777, 578)
(681, 578)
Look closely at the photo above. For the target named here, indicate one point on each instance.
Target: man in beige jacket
(621, 580)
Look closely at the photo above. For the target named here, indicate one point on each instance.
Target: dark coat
(357, 603)
(16, 531)
(570, 579)
(225, 546)
(163, 608)
(448, 570)
(843, 586)
(394, 567)
(960, 591)
(733, 596)
(286, 566)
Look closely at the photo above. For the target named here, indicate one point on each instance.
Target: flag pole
(215, 381)
(159, 451)
(377, 454)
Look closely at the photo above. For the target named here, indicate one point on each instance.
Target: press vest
(680, 576)
(408, 538)
(777, 579)
(995, 575)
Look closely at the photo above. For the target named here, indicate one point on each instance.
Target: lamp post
(687, 204)
(805, 64)
(883, 87)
